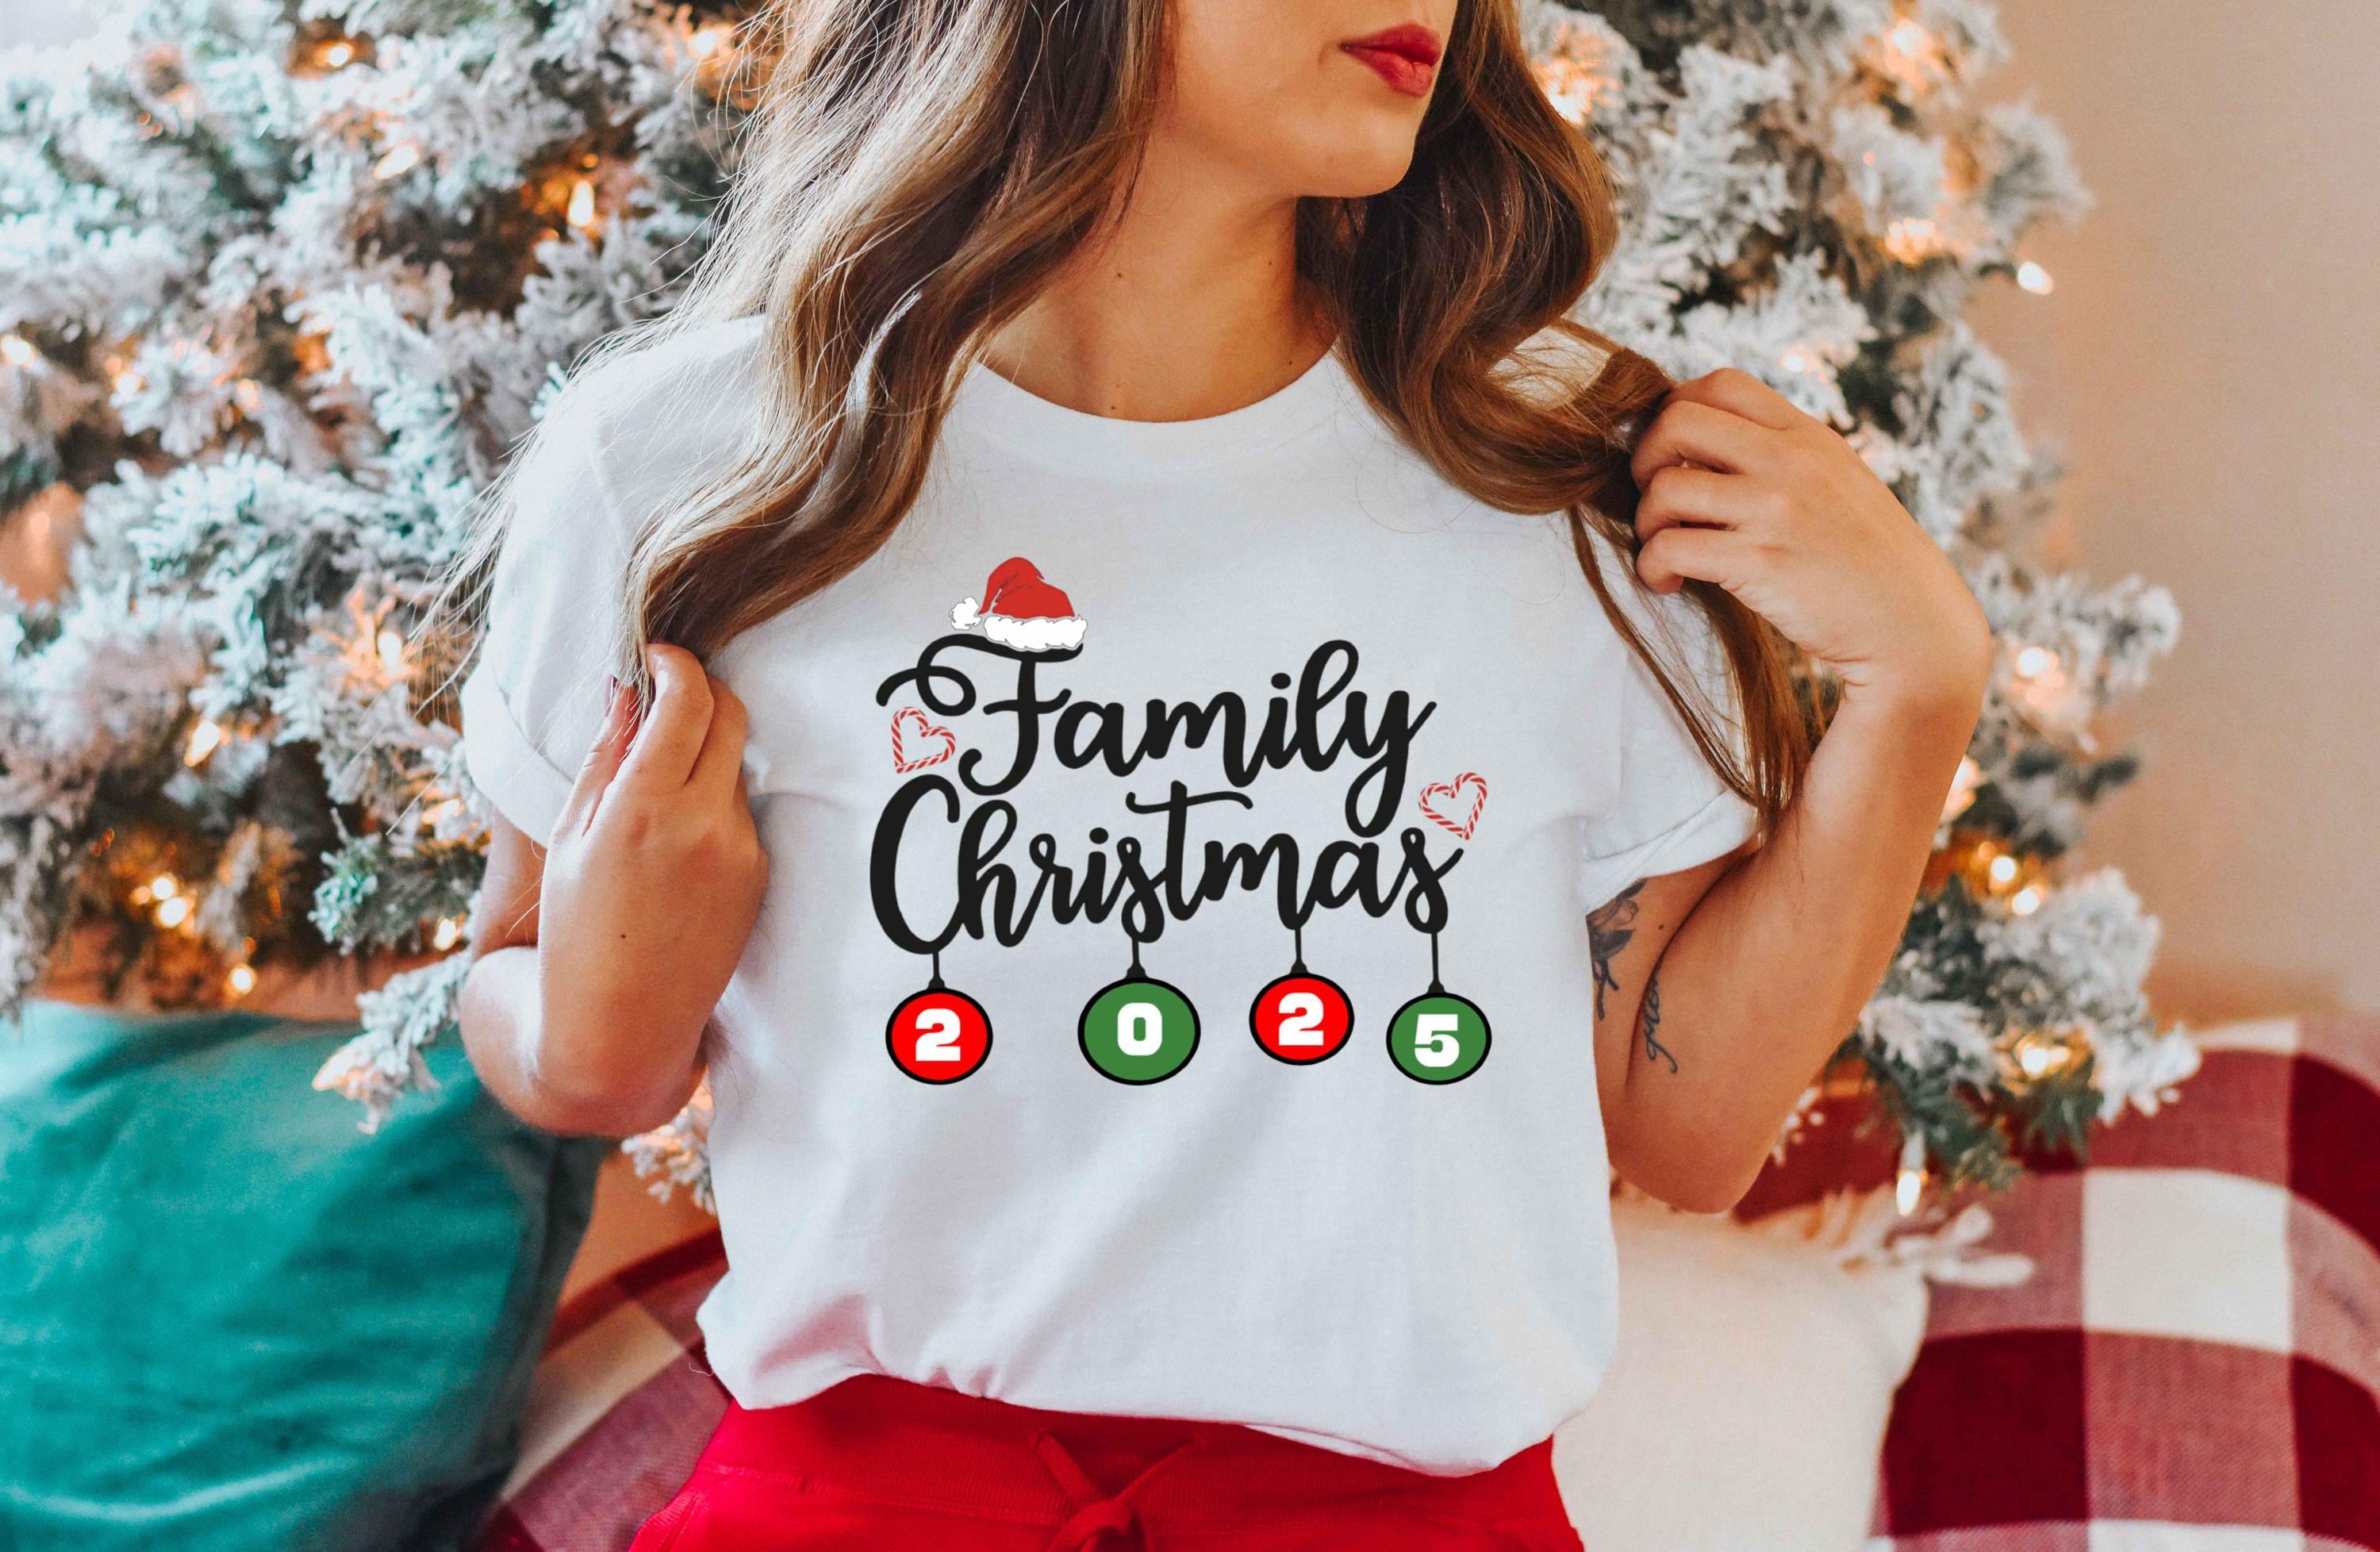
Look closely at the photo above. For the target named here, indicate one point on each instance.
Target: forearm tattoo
(1653, 1049)
(1609, 927)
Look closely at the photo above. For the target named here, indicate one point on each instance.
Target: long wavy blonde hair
(916, 172)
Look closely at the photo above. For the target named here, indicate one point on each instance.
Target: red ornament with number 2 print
(938, 1035)
(1301, 1018)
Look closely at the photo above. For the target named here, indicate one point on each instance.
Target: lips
(1405, 56)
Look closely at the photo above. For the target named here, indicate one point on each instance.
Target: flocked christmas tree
(283, 281)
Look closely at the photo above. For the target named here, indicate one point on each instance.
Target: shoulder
(649, 416)
(636, 425)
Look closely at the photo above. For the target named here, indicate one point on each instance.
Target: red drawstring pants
(889, 1466)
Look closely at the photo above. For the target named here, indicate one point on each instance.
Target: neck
(1188, 306)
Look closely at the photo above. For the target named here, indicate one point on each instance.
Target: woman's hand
(1741, 489)
(653, 880)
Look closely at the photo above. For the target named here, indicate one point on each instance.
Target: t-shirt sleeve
(533, 702)
(1673, 811)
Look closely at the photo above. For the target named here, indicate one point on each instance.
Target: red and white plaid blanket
(2194, 1365)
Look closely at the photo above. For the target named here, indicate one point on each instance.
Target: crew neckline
(991, 407)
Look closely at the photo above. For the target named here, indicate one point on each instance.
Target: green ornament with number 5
(1439, 1037)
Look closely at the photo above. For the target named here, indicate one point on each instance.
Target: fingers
(1688, 431)
(1671, 557)
(1740, 393)
(603, 762)
(676, 721)
(718, 769)
(1677, 494)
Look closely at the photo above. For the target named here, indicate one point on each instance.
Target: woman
(1123, 531)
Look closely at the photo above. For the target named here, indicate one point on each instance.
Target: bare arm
(1737, 980)
(599, 957)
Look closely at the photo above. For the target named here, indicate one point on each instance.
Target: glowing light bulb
(2001, 871)
(2026, 900)
(391, 653)
(164, 886)
(205, 739)
(241, 981)
(1571, 87)
(2035, 1056)
(708, 40)
(581, 213)
(397, 160)
(448, 932)
(1910, 55)
(1908, 1185)
(2032, 662)
(128, 381)
(2036, 279)
(17, 351)
(1962, 789)
(174, 912)
(336, 55)
(1914, 239)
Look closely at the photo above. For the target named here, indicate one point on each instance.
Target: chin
(1361, 165)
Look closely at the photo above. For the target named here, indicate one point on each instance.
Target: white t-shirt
(1173, 995)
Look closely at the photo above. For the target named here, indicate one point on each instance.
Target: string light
(448, 932)
(2037, 1053)
(164, 886)
(247, 393)
(2045, 687)
(713, 48)
(17, 351)
(1571, 87)
(1914, 239)
(174, 912)
(1992, 870)
(205, 739)
(241, 980)
(392, 654)
(1962, 789)
(336, 55)
(2033, 278)
(397, 160)
(1912, 55)
(1908, 1185)
(581, 213)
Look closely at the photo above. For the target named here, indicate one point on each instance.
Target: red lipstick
(1405, 56)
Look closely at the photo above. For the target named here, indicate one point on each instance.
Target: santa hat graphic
(1021, 611)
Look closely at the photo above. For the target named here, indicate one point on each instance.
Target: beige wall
(2210, 363)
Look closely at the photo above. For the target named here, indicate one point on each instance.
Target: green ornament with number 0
(1139, 1031)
